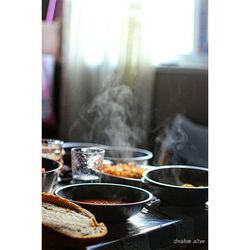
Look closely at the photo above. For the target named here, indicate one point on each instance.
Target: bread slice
(67, 224)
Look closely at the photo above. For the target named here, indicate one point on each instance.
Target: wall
(178, 90)
(181, 90)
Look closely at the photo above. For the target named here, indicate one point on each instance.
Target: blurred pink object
(48, 68)
(51, 10)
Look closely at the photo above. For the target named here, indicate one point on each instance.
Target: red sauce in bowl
(103, 202)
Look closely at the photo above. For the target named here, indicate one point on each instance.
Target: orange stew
(129, 170)
(103, 202)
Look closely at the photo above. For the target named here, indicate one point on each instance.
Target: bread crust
(68, 238)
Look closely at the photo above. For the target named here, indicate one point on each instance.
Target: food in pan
(103, 202)
(129, 170)
(188, 185)
(66, 221)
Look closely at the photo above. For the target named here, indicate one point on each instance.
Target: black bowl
(132, 199)
(166, 183)
(52, 170)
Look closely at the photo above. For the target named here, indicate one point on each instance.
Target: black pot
(166, 183)
(133, 199)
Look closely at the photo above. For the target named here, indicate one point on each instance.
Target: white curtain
(106, 64)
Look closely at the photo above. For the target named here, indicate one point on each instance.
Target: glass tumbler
(52, 149)
(85, 163)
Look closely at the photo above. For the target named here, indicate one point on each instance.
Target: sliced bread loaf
(65, 221)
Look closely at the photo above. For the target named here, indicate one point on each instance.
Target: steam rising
(182, 142)
(110, 119)
(172, 140)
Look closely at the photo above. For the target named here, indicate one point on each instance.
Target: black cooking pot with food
(178, 185)
(107, 201)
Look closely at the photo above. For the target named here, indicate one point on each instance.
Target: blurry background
(128, 72)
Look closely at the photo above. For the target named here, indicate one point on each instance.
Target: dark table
(159, 226)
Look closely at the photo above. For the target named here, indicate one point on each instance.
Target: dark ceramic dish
(132, 199)
(166, 183)
(49, 178)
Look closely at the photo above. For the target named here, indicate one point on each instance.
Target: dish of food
(129, 170)
(178, 184)
(124, 201)
(121, 173)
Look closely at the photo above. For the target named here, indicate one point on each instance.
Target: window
(162, 31)
(180, 32)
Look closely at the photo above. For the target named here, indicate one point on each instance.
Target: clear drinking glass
(85, 163)
(52, 149)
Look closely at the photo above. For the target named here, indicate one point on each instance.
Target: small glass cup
(52, 149)
(85, 163)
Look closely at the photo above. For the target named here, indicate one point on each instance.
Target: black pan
(167, 182)
(133, 199)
